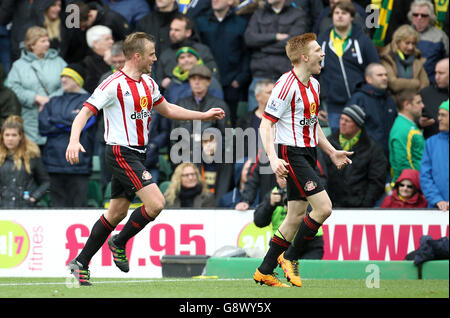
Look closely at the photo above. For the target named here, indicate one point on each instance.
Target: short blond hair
(135, 43)
(32, 35)
(298, 46)
(403, 32)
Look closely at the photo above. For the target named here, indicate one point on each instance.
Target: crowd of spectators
(384, 95)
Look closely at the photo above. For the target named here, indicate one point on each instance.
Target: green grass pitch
(53, 288)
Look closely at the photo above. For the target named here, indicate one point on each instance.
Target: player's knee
(326, 210)
(156, 207)
(160, 204)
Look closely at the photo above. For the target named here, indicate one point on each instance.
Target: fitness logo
(253, 237)
(14, 244)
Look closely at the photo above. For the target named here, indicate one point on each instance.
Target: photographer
(273, 209)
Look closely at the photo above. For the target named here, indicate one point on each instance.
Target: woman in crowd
(187, 190)
(36, 77)
(404, 62)
(407, 192)
(21, 167)
(46, 13)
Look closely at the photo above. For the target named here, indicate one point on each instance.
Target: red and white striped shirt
(294, 108)
(126, 105)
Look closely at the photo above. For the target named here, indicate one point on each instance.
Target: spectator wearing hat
(407, 193)
(434, 169)
(179, 87)
(361, 184)
(68, 183)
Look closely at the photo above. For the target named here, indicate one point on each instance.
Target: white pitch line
(125, 281)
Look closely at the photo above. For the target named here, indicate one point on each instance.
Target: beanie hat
(76, 72)
(444, 105)
(356, 113)
(187, 49)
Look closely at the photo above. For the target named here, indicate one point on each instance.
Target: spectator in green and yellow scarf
(186, 58)
(179, 87)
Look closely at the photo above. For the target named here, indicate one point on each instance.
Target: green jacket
(22, 79)
(406, 145)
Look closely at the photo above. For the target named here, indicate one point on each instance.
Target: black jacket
(157, 23)
(360, 184)
(432, 97)
(73, 44)
(268, 57)
(14, 182)
(9, 103)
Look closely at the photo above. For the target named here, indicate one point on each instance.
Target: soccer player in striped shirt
(126, 97)
(293, 108)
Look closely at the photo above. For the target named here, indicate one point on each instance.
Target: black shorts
(129, 174)
(303, 180)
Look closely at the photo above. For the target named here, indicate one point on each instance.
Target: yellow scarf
(348, 144)
(339, 43)
(183, 75)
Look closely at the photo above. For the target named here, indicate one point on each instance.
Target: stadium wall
(39, 243)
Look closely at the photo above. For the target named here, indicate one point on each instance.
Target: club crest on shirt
(143, 102)
(146, 175)
(310, 185)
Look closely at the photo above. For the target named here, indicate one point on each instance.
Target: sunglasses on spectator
(409, 186)
(422, 15)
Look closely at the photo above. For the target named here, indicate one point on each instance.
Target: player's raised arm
(78, 124)
(176, 112)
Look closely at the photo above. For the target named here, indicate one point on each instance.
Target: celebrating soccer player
(126, 98)
(293, 108)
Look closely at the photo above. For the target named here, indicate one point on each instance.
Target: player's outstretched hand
(340, 158)
(73, 149)
(214, 113)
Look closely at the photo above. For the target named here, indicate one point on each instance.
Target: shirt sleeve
(98, 100)
(278, 102)
(157, 97)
